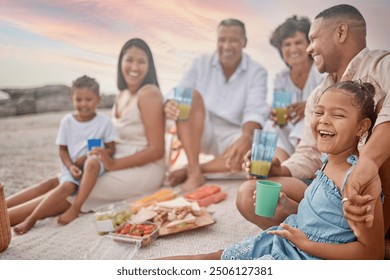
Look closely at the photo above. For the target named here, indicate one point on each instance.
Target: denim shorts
(65, 176)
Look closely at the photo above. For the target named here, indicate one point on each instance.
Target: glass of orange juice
(183, 96)
(263, 150)
(281, 100)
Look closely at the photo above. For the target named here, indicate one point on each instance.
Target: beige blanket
(48, 240)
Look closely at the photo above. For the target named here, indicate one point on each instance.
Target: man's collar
(243, 65)
(354, 64)
(350, 70)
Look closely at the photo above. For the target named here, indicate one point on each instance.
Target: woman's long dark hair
(151, 76)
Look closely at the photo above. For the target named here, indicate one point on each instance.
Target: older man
(229, 102)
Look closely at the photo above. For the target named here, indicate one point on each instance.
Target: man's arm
(375, 154)
(359, 207)
(306, 159)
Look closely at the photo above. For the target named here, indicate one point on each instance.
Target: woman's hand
(296, 112)
(272, 116)
(171, 109)
(103, 155)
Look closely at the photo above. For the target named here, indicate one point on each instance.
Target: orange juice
(280, 115)
(184, 111)
(260, 168)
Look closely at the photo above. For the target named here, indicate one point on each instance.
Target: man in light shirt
(338, 47)
(229, 102)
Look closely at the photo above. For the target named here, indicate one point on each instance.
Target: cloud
(79, 33)
(84, 24)
(60, 25)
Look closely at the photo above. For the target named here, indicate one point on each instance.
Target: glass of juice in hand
(263, 150)
(183, 96)
(281, 100)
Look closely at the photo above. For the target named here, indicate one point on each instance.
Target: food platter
(202, 220)
(173, 214)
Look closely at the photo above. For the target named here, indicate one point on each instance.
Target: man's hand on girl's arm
(360, 193)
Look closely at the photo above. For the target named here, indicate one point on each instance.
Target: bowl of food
(142, 233)
(109, 218)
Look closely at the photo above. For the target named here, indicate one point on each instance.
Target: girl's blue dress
(320, 216)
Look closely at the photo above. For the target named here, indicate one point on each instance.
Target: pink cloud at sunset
(83, 24)
(66, 28)
(59, 40)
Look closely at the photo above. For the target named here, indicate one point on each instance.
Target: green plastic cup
(267, 196)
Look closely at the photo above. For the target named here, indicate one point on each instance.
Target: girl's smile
(335, 122)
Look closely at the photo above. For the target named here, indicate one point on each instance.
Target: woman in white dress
(138, 165)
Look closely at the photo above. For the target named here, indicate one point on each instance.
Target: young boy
(79, 171)
(74, 132)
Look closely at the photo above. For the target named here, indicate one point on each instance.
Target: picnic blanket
(28, 155)
(50, 241)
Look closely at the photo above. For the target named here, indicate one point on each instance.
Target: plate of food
(174, 216)
(143, 234)
(179, 219)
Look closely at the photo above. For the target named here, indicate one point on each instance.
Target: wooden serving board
(203, 220)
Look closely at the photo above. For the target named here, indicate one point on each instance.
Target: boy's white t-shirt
(74, 134)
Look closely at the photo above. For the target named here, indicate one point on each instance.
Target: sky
(45, 42)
